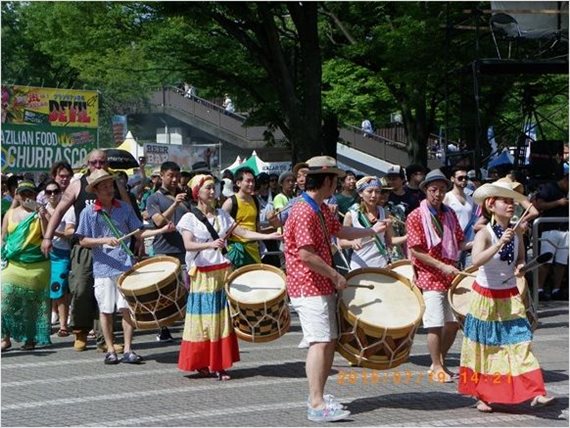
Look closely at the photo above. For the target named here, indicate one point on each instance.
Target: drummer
(368, 252)
(435, 241)
(497, 363)
(312, 281)
(101, 227)
(209, 343)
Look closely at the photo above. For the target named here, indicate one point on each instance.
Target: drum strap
(116, 233)
(200, 216)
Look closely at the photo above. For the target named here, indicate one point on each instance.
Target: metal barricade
(536, 250)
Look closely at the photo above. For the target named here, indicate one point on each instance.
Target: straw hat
(435, 175)
(384, 183)
(324, 165)
(498, 189)
(517, 187)
(97, 177)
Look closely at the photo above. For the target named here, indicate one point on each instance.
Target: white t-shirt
(67, 219)
(200, 232)
(463, 211)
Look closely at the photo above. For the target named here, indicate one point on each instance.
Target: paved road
(60, 387)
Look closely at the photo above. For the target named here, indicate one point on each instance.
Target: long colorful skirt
(25, 302)
(497, 363)
(209, 339)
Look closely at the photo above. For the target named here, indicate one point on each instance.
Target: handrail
(535, 251)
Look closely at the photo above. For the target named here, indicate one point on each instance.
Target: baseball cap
(396, 170)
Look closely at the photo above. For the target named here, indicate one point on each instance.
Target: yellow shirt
(246, 217)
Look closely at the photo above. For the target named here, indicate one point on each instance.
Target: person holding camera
(168, 204)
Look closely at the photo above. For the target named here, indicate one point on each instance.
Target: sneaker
(164, 335)
(131, 358)
(111, 358)
(328, 414)
(329, 400)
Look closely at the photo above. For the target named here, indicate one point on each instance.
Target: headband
(197, 182)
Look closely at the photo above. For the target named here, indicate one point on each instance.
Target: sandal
(541, 401)
(223, 375)
(204, 372)
(28, 346)
(63, 332)
(6, 344)
(483, 407)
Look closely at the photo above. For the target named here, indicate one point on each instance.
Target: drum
(403, 267)
(155, 292)
(377, 324)
(258, 302)
(459, 297)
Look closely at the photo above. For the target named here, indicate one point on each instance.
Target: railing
(535, 248)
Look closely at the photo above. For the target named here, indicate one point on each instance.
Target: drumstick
(230, 230)
(522, 216)
(128, 235)
(342, 255)
(370, 287)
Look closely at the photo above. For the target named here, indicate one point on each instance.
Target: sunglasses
(98, 162)
(461, 178)
(53, 192)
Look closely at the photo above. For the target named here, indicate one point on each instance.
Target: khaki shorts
(438, 310)
(318, 317)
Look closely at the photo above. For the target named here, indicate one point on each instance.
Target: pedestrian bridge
(369, 155)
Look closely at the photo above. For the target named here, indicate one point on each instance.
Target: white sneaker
(329, 400)
(328, 414)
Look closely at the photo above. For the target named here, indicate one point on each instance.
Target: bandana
(508, 252)
(366, 182)
(197, 182)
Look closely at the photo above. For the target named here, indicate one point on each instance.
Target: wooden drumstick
(128, 235)
(522, 216)
(230, 230)
(342, 256)
(370, 287)
(474, 275)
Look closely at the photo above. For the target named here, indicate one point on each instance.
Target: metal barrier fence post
(536, 251)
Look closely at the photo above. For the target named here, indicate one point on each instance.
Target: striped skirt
(497, 363)
(209, 339)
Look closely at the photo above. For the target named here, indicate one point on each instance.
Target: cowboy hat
(97, 177)
(324, 165)
(517, 187)
(498, 189)
(435, 175)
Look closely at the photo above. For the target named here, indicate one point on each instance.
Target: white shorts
(318, 317)
(438, 310)
(108, 295)
(555, 242)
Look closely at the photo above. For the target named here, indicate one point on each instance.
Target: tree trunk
(416, 133)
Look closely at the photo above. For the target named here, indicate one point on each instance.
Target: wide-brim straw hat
(324, 165)
(435, 175)
(498, 189)
(97, 177)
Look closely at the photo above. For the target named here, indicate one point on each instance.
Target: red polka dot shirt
(428, 278)
(303, 229)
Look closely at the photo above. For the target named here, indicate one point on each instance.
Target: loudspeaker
(546, 159)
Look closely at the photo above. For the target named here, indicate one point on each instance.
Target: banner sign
(184, 155)
(37, 148)
(28, 105)
(276, 167)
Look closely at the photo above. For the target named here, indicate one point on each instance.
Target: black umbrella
(120, 159)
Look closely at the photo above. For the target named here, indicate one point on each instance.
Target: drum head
(150, 272)
(256, 284)
(403, 267)
(389, 304)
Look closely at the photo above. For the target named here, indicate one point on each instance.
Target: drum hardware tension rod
(533, 264)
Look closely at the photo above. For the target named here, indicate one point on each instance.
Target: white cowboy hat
(97, 177)
(498, 189)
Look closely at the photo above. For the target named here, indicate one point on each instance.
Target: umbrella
(120, 159)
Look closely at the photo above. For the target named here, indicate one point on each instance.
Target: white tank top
(368, 255)
(495, 271)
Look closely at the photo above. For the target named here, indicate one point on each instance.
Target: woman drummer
(209, 344)
(497, 364)
(368, 252)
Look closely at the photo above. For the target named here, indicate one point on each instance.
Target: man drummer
(101, 227)
(312, 281)
(435, 242)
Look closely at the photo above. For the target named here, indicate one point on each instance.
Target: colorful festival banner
(36, 148)
(28, 105)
